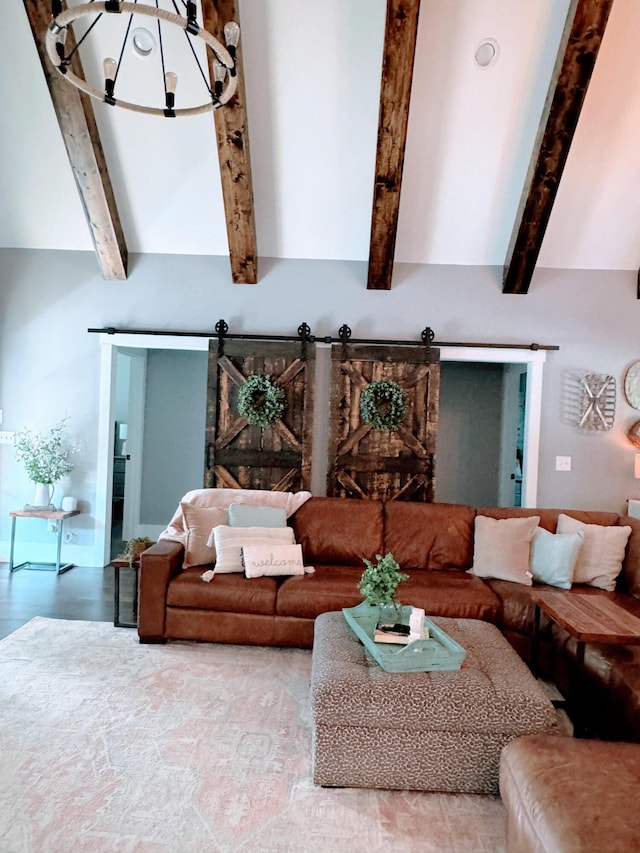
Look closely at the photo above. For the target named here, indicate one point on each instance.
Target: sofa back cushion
(435, 536)
(549, 517)
(338, 531)
(629, 579)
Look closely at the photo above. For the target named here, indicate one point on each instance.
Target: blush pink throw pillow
(502, 548)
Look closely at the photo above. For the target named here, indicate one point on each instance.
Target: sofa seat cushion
(338, 532)
(328, 588)
(431, 536)
(232, 593)
(455, 594)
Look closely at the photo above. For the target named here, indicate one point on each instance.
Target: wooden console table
(588, 618)
(58, 515)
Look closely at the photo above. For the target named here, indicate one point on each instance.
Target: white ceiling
(312, 76)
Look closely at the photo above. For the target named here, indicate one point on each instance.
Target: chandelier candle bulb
(171, 81)
(110, 68)
(61, 42)
(219, 73)
(232, 36)
(170, 85)
(231, 39)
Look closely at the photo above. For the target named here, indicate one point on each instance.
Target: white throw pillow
(228, 542)
(554, 556)
(600, 558)
(502, 546)
(272, 560)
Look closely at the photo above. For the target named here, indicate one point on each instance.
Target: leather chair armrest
(158, 564)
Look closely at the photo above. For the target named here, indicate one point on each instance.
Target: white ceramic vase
(43, 494)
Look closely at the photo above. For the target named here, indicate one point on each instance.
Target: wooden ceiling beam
(395, 94)
(583, 32)
(232, 134)
(84, 149)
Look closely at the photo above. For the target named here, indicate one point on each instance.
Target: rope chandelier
(143, 42)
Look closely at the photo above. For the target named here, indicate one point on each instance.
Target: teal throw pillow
(247, 515)
(554, 557)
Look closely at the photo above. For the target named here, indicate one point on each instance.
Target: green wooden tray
(438, 652)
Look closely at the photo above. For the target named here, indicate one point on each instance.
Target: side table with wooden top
(587, 618)
(57, 515)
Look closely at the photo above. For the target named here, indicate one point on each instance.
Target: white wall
(50, 365)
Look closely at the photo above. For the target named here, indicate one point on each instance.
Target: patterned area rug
(107, 745)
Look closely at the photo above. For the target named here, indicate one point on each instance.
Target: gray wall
(50, 364)
(468, 449)
(175, 415)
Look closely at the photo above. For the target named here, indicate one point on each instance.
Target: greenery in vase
(380, 580)
(45, 455)
(134, 548)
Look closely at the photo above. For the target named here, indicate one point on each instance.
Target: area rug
(108, 745)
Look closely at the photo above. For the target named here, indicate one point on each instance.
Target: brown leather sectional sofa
(434, 544)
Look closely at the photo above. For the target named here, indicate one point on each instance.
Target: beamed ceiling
(534, 98)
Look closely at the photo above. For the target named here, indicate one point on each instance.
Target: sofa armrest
(158, 564)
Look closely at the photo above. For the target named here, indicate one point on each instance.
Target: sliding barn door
(239, 455)
(365, 462)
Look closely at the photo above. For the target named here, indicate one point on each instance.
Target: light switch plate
(7, 438)
(563, 463)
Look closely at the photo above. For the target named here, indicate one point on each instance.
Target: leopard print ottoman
(428, 731)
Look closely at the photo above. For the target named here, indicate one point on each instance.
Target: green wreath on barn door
(383, 404)
(261, 401)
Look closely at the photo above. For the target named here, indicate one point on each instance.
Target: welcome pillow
(554, 556)
(600, 559)
(502, 546)
(272, 560)
(229, 541)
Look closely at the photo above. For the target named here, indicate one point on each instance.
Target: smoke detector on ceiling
(143, 42)
(487, 53)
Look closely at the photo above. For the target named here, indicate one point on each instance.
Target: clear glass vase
(390, 613)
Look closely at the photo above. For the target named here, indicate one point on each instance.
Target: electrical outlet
(563, 463)
(7, 437)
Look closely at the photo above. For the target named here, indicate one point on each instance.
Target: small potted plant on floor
(379, 583)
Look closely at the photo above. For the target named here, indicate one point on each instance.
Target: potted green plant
(134, 548)
(46, 457)
(379, 583)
